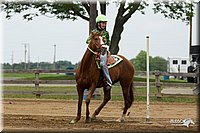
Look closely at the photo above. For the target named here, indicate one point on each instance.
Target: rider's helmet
(101, 18)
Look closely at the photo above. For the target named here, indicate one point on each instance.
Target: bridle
(92, 50)
(98, 47)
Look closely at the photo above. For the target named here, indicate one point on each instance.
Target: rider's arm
(106, 38)
(88, 40)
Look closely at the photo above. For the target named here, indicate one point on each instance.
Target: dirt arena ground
(54, 115)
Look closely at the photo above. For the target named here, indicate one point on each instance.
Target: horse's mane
(88, 57)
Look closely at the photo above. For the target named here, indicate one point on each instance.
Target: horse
(89, 76)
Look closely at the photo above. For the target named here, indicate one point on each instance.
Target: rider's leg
(103, 63)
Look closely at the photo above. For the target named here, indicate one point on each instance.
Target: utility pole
(28, 56)
(54, 57)
(25, 51)
(12, 60)
(38, 63)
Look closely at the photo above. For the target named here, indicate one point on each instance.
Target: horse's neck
(87, 62)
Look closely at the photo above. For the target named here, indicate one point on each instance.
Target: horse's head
(95, 41)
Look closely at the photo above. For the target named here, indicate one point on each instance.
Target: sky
(168, 38)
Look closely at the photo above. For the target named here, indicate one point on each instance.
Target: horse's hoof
(88, 120)
(120, 120)
(72, 121)
(93, 118)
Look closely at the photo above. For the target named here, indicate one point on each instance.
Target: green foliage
(6, 66)
(158, 63)
(180, 10)
(140, 61)
(41, 65)
(60, 10)
(155, 63)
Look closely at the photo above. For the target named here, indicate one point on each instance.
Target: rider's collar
(100, 29)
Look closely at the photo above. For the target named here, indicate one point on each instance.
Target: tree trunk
(116, 37)
(93, 14)
(122, 17)
(103, 7)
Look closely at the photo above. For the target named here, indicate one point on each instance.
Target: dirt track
(54, 115)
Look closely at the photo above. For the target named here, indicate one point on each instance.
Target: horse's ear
(94, 34)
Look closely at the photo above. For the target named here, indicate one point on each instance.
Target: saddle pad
(117, 59)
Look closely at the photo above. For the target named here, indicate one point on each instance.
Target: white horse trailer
(178, 64)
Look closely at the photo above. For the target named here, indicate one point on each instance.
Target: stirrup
(108, 87)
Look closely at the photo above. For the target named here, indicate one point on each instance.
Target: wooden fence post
(37, 82)
(158, 85)
(198, 80)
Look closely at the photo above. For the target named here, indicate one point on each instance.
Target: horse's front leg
(80, 99)
(87, 101)
(107, 97)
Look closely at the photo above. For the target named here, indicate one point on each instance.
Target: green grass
(72, 89)
(41, 97)
(18, 75)
(42, 76)
(42, 88)
(152, 79)
(62, 76)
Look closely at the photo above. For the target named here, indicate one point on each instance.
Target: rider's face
(102, 25)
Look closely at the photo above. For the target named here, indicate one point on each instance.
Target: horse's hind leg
(128, 99)
(107, 97)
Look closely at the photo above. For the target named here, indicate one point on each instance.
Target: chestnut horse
(89, 76)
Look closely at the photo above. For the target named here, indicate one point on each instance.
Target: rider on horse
(101, 22)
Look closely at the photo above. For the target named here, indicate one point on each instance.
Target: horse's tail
(130, 97)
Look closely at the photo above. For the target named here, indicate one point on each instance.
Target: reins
(91, 50)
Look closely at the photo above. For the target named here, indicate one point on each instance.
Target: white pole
(148, 105)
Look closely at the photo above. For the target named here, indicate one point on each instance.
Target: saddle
(112, 60)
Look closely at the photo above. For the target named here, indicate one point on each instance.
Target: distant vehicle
(178, 64)
(70, 73)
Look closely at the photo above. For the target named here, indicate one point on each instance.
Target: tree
(155, 63)
(158, 63)
(72, 10)
(140, 61)
(42, 65)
